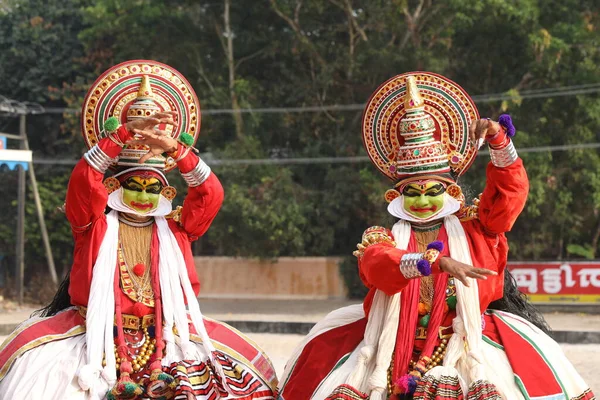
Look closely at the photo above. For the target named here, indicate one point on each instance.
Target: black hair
(61, 300)
(515, 302)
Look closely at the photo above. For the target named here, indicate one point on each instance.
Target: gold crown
(412, 98)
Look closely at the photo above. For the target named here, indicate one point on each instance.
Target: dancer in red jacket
(133, 328)
(425, 330)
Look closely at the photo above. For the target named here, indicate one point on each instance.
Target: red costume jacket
(85, 206)
(501, 203)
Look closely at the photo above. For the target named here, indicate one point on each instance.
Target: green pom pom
(424, 321)
(131, 389)
(186, 139)
(165, 377)
(111, 124)
(110, 396)
(451, 301)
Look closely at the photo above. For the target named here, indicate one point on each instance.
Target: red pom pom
(139, 269)
(140, 309)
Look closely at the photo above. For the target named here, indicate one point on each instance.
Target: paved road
(585, 357)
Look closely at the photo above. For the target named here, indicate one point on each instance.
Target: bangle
(504, 157)
(198, 175)
(371, 236)
(416, 265)
(98, 159)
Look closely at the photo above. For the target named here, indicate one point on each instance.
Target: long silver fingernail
(480, 143)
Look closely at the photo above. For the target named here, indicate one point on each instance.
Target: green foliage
(318, 53)
(349, 272)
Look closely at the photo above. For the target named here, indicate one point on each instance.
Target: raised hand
(167, 117)
(463, 271)
(158, 141)
(481, 129)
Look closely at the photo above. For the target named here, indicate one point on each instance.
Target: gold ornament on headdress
(412, 99)
(145, 89)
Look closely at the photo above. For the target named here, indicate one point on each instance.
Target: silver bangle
(408, 265)
(198, 175)
(98, 159)
(504, 157)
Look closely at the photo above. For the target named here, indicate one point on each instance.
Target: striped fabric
(197, 379)
(442, 388)
(346, 392)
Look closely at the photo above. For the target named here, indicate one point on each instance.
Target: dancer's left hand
(158, 141)
(462, 271)
(482, 129)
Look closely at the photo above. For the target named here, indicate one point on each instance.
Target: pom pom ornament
(451, 301)
(111, 124)
(436, 245)
(424, 267)
(406, 384)
(506, 122)
(125, 387)
(186, 139)
(139, 269)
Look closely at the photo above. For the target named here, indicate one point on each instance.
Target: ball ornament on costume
(111, 184)
(111, 124)
(169, 192)
(186, 139)
(506, 122)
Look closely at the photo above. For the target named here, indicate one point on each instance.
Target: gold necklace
(426, 289)
(134, 249)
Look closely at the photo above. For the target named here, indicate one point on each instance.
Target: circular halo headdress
(137, 89)
(417, 124)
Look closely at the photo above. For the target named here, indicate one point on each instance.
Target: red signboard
(558, 282)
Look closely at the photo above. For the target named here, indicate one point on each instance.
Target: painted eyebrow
(128, 183)
(438, 186)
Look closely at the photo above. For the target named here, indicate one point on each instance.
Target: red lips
(143, 206)
(422, 210)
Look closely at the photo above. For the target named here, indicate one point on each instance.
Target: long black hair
(515, 302)
(61, 300)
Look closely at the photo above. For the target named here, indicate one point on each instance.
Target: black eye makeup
(435, 190)
(132, 185)
(154, 188)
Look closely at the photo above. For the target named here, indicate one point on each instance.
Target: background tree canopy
(293, 53)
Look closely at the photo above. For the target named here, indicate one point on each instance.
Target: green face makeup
(423, 199)
(141, 194)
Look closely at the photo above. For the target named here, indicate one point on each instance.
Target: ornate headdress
(417, 125)
(137, 89)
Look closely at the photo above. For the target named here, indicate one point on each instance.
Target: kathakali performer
(127, 324)
(442, 319)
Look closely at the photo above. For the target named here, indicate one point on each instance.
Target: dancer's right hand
(166, 117)
(462, 271)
